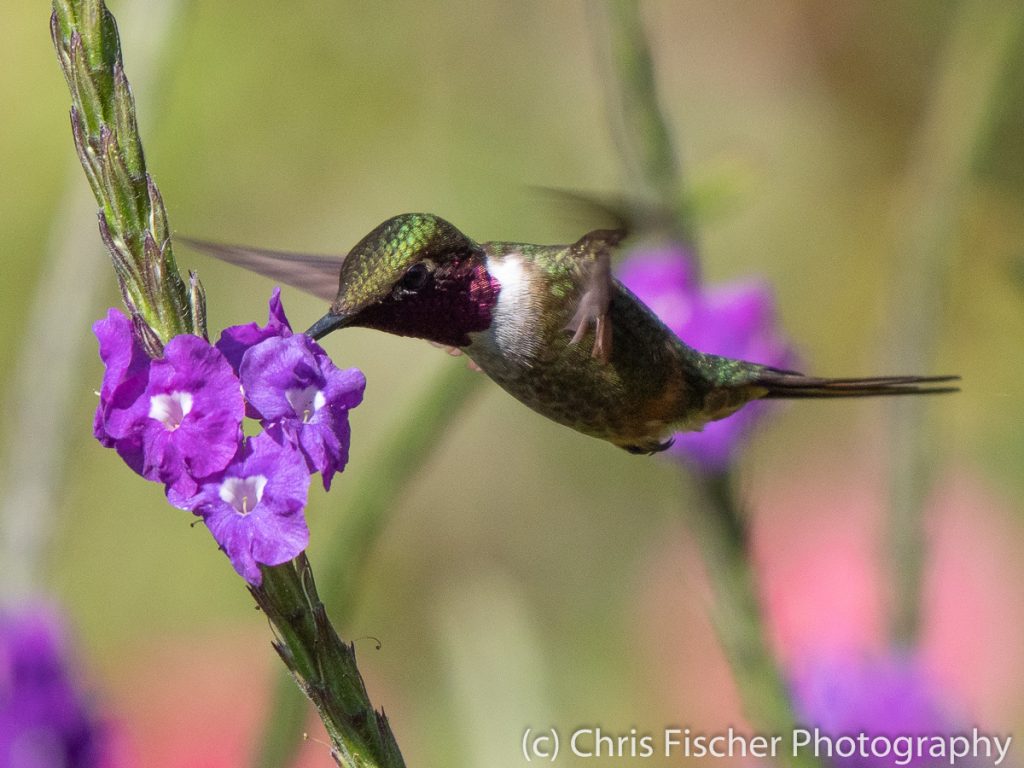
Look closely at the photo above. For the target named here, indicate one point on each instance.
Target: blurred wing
(592, 211)
(317, 275)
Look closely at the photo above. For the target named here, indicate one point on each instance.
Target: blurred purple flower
(292, 384)
(236, 340)
(888, 695)
(254, 507)
(188, 420)
(734, 319)
(44, 720)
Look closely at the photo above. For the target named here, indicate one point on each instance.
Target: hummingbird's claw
(456, 352)
(602, 349)
(580, 324)
(453, 351)
(649, 448)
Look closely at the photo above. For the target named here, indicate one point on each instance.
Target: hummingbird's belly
(650, 387)
(635, 400)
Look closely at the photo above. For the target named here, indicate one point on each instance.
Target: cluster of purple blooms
(734, 319)
(178, 419)
(884, 695)
(44, 719)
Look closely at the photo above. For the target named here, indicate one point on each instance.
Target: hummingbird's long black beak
(326, 324)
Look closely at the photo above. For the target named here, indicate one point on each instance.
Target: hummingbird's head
(414, 275)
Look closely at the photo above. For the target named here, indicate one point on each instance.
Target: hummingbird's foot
(649, 448)
(602, 349)
(456, 352)
(453, 351)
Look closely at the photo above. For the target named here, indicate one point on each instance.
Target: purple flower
(735, 320)
(234, 341)
(886, 696)
(186, 424)
(254, 507)
(292, 384)
(44, 720)
(127, 368)
(178, 420)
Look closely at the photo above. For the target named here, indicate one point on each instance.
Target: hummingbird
(524, 313)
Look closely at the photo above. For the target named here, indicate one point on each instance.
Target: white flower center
(170, 409)
(243, 493)
(305, 401)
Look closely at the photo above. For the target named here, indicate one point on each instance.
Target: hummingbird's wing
(317, 275)
(590, 210)
(595, 251)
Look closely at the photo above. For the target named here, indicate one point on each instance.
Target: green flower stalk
(132, 219)
(723, 530)
(719, 522)
(370, 500)
(966, 97)
(639, 128)
(164, 310)
(324, 667)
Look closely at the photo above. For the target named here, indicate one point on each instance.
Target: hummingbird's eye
(415, 277)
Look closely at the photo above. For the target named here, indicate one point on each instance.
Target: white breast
(512, 314)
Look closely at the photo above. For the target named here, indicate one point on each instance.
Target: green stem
(954, 129)
(639, 126)
(370, 501)
(722, 532)
(324, 667)
(719, 524)
(43, 381)
(134, 227)
(132, 219)
(404, 452)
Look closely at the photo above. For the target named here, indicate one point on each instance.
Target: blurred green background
(532, 576)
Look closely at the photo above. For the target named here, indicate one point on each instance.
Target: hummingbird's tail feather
(791, 385)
